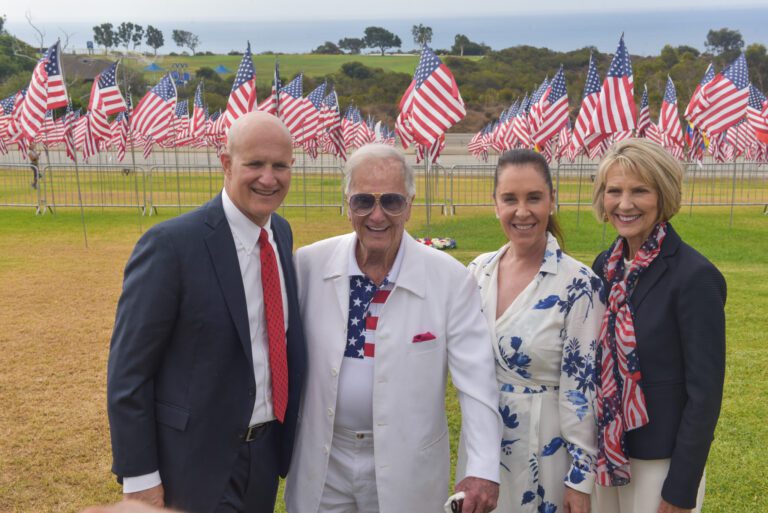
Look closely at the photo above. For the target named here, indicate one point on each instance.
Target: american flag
(180, 126)
(311, 123)
(695, 143)
(108, 97)
(476, 147)
(564, 142)
(197, 123)
(365, 133)
(6, 114)
(294, 108)
(46, 91)
(366, 302)
(69, 138)
(153, 115)
(669, 119)
(332, 124)
(351, 125)
(271, 104)
(694, 105)
(404, 130)
(84, 139)
(505, 132)
(588, 106)
(243, 95)
(520, 126)
(99, 124)
(644, 117)
(534, 111)
(432, 102)
(724, 99)
(431, 153)
(615, 110)
(554, 109)
(120, 135)
(53, 130)
(757, 113)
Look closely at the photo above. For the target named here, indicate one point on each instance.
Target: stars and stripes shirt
(354, 404)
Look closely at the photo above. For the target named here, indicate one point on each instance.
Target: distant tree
(668, 56)
(209, 74)
(124, 34)
(138, 35)
(154, 38)
(459, 43)
(104, 36)
(725, 42)
(356, 70)
(2, 23)
(381, 38)
(463, 46)
(422, 35)
(757, 61)
(353, 44)
(687, 49)
(184, 38)
(327, 48)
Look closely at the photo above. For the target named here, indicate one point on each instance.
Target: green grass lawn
(290, 64)
(58, 301)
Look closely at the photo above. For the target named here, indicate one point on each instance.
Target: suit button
(330, 412)
(334, 372)
(326, 450)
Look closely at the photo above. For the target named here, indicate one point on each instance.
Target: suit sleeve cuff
(141, 483)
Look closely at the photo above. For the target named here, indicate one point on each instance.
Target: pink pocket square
(423, 337)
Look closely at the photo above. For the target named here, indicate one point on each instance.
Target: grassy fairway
(58, 301)
(290, 64)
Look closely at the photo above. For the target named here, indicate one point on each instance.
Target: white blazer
(433, 293)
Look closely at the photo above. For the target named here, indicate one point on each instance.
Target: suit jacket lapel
(221, 247)
(658, 267)
(337, 270)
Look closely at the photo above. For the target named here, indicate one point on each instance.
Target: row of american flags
(727, 117)
(162, 119)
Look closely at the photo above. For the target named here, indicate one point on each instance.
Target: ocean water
(646, 32)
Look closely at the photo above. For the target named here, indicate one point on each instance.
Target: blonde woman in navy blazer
(676, 299)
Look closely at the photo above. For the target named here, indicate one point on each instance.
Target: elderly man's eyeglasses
(391, 202)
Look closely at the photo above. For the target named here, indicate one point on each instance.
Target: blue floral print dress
(545, 346)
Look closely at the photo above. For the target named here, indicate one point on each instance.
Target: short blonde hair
(652, 164)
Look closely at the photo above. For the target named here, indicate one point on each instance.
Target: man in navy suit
(207, 355)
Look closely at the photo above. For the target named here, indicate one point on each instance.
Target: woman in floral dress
(544, 311)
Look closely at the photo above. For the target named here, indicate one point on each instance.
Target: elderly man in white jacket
(385, 319)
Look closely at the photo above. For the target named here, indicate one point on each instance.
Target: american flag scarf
(620, 399)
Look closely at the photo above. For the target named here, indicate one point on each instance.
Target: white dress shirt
(246, 235)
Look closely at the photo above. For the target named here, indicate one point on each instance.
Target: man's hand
(666, 507)
(153, 496)
(127, 506)
(481, 494)
(575, 501)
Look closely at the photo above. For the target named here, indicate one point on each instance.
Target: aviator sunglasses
(363, 204)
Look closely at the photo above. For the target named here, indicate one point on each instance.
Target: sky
(147, 10)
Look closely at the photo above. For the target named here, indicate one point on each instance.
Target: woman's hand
(666, 507)
(575, 501)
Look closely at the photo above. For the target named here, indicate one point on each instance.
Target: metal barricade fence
(312, 186)
(100, 185)
(18, 186)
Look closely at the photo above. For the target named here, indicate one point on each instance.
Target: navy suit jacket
(679, 315)
(180, 383)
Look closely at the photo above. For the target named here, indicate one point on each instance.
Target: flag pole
(427, 194)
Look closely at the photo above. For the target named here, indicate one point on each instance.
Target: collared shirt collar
(246, 232)
(354, 268)
(552, 256)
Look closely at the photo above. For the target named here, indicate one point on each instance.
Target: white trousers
(643, 493)
(350, 484)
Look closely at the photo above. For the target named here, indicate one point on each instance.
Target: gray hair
(378, 151)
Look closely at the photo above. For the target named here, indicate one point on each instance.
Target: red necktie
(273, 310)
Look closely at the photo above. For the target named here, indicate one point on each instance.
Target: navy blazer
(679, 315)
(180, 383)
